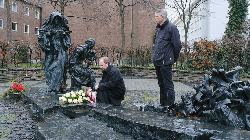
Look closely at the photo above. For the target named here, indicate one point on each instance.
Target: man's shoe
(171, 110)
(162, 108)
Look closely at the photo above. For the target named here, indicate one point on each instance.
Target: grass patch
(8, 117)
(4, 133)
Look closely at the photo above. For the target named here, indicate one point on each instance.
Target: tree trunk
(132, 31)
(185, 48)
(122, 18)
(62, 5)
(122, 26)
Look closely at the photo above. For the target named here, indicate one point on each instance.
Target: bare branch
(133, 4)
(118, 2)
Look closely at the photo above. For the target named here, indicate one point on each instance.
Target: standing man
(166, 49)
(111, 89)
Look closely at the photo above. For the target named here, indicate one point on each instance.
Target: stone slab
(60, 127)
(152, 125)
(43, 100)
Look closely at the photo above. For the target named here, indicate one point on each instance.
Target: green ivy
(237, 15)
(233, 41)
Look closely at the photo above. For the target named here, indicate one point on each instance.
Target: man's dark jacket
(112, 81)
(167, 44)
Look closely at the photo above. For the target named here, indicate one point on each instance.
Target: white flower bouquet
(78, 97)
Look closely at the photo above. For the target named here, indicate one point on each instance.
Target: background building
(209, 23)
(25, 21)
(98, 19)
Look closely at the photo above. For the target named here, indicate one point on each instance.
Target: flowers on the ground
(16, 88)
(78, 97)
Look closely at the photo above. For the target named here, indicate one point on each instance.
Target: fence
(22, 54)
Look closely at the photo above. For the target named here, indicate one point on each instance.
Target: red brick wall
(91, 19)
(21, 19)
(101, 21)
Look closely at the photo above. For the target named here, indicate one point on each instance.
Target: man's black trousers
(164, 76)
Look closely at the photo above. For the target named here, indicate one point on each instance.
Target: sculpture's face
(57, 20)
(103, 65)
(91, 43)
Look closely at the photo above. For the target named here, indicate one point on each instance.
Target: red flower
(20, 87)
(14, 85)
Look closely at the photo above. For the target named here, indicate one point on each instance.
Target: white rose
(73, 95)
(79, 97)
(78, 93)
(85, 98)
(75, 101)
(83, 94)
(67, 94)
(60, 98)
(70, 100)
(80, 100)
(64, 99)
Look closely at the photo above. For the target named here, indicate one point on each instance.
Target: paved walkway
(131, 84)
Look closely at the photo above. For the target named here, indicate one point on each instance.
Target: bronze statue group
(54, 39)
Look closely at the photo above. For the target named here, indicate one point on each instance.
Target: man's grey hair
(105, 59)
(162, 12)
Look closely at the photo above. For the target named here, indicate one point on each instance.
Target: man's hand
(96, 86)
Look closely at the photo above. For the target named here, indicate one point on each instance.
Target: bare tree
(186, 11)
(61, 4)
(121, 6)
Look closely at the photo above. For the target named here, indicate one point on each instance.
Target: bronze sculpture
(79, 66)
(54, 39)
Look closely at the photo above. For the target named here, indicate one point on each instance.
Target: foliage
(237, 15)
(3, 53)
(246, 62)
(234, 45)
(204, 54)
(22, 53)
(247, 57)
(234, 40)
(135, 56)
(19, 52)
(186, 10)
(221, 57)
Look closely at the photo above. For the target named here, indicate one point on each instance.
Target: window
(1, 23)
(14, 6)
(37, 14)
(26, 28)
(36, 31)
(26, 11)
(14, 26)
(2, 3)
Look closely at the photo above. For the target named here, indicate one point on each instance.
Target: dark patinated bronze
(79, 66)
(222, 97)
(54, 39)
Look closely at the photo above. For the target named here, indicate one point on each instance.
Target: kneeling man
(111, 89)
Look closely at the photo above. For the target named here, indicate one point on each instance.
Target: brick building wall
(99, 19)
(21, 19)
